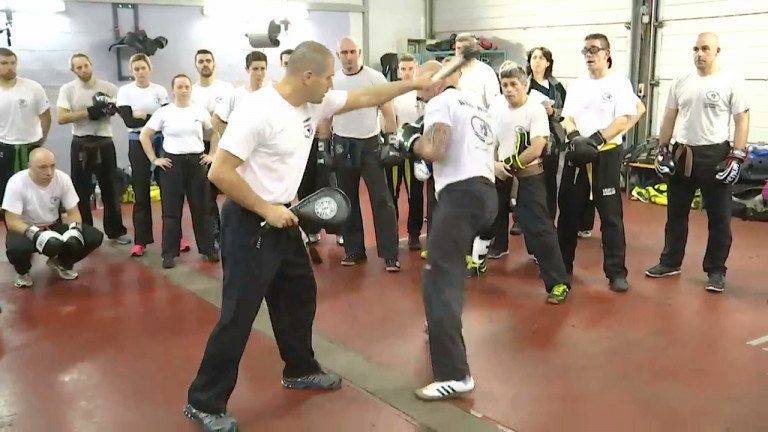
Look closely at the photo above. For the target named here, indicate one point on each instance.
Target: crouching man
(32, 204)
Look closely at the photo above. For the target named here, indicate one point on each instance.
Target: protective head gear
(390, 152)
(328, 208)
(664, 164)
(730, 169)
(47, 242)
(582, 151)
(422, 170)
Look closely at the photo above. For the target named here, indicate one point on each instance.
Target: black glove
(102, 107)
(47, 242)
(73, 239)
(409, 134)
(730, 168)
(390, 152)
(664, 163)
(96, 112)
(325, 154)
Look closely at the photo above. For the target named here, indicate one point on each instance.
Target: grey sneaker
(317, 381)
(122, 240)
(21, 281)
(66, 274)
(211, 422)
(619, 285)
(660, 270)
(716, 282)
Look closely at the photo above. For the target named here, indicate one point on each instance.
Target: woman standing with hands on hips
(183, 169)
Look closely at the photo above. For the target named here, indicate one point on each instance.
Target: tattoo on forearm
(436, 138)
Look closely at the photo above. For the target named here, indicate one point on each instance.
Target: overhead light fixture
(33, 5)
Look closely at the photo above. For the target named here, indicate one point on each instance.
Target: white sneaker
(63, 273)
(21, 281)
(446, 389)
(313, 238)
(340, 240)
(585, 234)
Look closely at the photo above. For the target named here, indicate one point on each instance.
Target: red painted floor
(122, 342)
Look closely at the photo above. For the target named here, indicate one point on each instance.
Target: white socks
(480, 249)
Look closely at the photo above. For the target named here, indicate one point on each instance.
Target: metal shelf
(493, 58)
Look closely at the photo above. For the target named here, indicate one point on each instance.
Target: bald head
(705, 52)
(430, 66)
(347, 43)
(41, 156)
(309, 56)
(349, 53)
(709, 38)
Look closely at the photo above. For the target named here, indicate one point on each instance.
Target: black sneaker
(413, 242)
(660, 271)
(619, 285)
(169, 263)
(353, 259)
(716, 282)
(515, 230)
(211, 422)
(392, 265)
(316, 381)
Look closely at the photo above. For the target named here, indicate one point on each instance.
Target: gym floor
(116, 349)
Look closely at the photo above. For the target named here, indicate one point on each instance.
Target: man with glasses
(599, 109)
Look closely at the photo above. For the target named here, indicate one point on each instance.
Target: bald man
(356, 141)
(259, 166)
(32, 203)
(459, 142)
(698, 114)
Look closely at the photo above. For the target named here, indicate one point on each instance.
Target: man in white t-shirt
(476, 76)
(209, 92)
(33, 203)
(357, 142)
(521, 127)
(256, 67)
(599, 109)
(25, 118)
(88, 103)
(259, 166)
(701, 104)
(408, 110)
(459, 141)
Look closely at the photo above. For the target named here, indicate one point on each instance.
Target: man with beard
(88, 103)
(25, 118)
(208, 92)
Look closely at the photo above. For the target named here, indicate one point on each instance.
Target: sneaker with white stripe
(440, 390)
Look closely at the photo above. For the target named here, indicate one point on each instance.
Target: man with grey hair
(356, 141)
(259, 166)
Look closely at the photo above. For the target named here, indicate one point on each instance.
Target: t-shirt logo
(482, 130)
(607, 97)
(308, 132)
(711, 99)
(23, 103)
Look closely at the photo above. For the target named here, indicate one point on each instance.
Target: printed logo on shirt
(712, 99)
(23, 103)
(308, 132)
(55, 202)
(482, 130)
(607, 97)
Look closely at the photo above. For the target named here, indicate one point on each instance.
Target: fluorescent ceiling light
(33, 5)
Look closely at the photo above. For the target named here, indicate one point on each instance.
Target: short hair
(547, 55)
(308, 55)
(140, 57)
(254, 56)
(5, 52)
(78, 55)
(173, 81)
(204, 51)
(604, 43)
(466, 37)
(286, 52)
(512, 70)
(406, 58)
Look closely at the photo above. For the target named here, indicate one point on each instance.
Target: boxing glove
(582, 151)
(324, 154)
(47, 242)
(73, 239)
(409, 134)
(664, 164)
(422, 170)
(390, 152)
(730, 168)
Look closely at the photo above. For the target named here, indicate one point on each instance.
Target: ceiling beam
(311, 6)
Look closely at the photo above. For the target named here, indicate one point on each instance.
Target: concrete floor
(116, 349)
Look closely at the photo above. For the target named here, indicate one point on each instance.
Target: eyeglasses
(592, 50)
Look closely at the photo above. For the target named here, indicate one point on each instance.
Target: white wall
(391, 21)
(560, 25)
(741, 26)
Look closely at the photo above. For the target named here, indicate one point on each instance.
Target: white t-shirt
(147, 99)
(274, 138)
(360, 123)
(182, 128)
(470, 152)
(481, 80)
(210, 97)
(596, 103)
(75, 96)
(228, 104)
(39, 205)
(508, 122)
(20, 110)
(705, 105)
(407, 108)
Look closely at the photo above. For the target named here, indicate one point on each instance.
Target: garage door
(741, 25)
(560, 25)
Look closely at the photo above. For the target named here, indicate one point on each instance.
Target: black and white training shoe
(211, 422)
(440, 390)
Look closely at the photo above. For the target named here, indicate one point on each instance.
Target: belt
(531, 169)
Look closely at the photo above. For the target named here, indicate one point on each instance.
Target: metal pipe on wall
(636, 27)
(429, 8)
(653, 83)
(366, 32)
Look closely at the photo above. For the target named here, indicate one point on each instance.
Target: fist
(280, 216)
